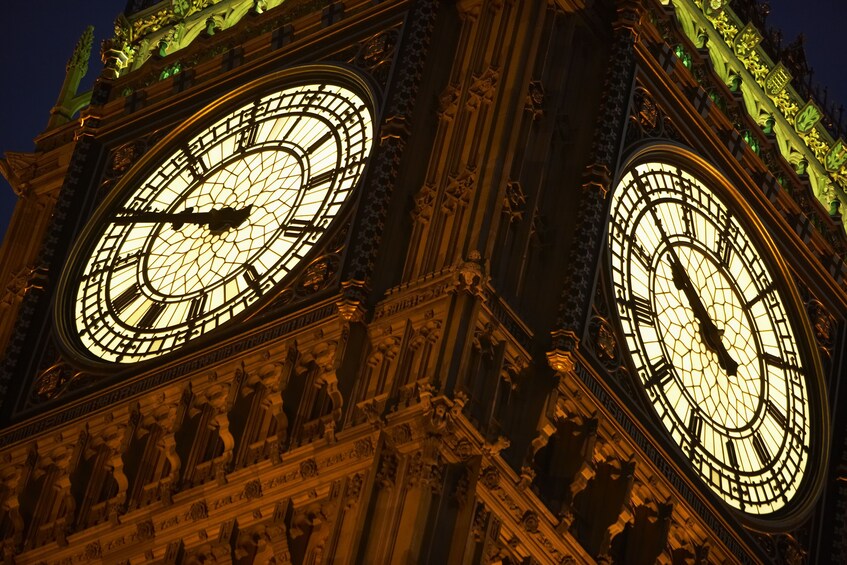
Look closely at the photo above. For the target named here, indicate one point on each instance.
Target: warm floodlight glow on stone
(224, 217)
(709, 336)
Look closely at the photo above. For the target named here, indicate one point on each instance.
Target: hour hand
(710, 334)
(218, 220)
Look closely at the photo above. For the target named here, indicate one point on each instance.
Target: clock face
(710, 336)
(226, 211)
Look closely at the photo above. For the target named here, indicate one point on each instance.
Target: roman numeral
(688, 219)
(695, 425)
(119, 264)
(251, 275)
(661, 376)
(152, 314)
(641, 310)
(724, 250)
(774, 412)
(247, 136)
(730, 452)
(320, 141)
(126, 298)
(761, 449)
(195, 165)
(780, 363)
(296, 228)
(641, 254)
(724, 247)
(320, 179)
(196, 308)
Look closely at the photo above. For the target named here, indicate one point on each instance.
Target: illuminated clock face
(227, 212)
(711, 339)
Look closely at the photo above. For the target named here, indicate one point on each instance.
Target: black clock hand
(218, 220)
(709, 332)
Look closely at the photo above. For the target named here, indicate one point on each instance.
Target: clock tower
(431, 281)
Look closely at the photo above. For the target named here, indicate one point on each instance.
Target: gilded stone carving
(529, 521)
(363, 448)
(387, 474)
(318, 274)
(424, 204)
(20, 284)
(458, 192)
(253, 489)
(823, 325)
(198, 511)
(490, 477)
(534, 103)
(448, 102)
(482, 89)
(308, 468)
(145, 530)
(514, 202)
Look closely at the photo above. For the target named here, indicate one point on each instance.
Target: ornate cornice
(735, 51)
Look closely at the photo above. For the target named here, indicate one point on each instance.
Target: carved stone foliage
(823, 326)
(647, 120)
(123, 157)
(320, 274)
(458, 192)
(56, 378)
(514, 202)
(22, 283)
(482, 89)
(784, 548)
(471, 274)
(374, 54)
(424, 204)
(534, 103)
(448, 102)
(602, 340)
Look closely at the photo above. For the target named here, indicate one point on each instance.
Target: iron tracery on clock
(715, 335)
(220, 214)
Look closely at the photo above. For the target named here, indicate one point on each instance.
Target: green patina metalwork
(751, 141)
(683, 56)
(170, 71)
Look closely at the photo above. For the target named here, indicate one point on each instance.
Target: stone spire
(68, 102)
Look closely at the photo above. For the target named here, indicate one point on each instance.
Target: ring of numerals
(710, 337)
(228, 212)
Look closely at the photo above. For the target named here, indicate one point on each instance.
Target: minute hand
(709, 332)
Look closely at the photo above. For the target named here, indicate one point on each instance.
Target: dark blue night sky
(37, 39)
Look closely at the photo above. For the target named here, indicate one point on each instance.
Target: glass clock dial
(226, 213)
(710, 336)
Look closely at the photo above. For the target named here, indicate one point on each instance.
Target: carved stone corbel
(471, 275)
